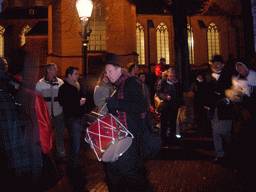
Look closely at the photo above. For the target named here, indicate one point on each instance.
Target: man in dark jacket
(73, 112)
(130, 106)
(220, 108)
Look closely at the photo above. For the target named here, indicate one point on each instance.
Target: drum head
(116, 149)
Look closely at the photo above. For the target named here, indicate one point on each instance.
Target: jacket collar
(172, 82)
(53, 82)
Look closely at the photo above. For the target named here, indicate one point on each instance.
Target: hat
(241, 63)
(217, 58)
(16, 78)
(114, 59)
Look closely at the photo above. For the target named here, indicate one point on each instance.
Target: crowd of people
(223, 100)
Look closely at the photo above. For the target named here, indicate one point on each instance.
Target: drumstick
(97, 113)
(106, 103)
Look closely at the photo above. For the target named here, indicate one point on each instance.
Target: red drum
(108, 138)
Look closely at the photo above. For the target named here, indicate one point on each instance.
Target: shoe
(165, 144)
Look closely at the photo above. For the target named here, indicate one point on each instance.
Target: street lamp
(84, 9)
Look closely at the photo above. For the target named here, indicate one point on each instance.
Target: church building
(34, 32)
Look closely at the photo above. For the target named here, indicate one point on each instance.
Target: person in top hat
(130, 105)
(219, 107)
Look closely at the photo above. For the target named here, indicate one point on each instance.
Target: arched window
(39, 3)
(190, 44)
(25, 30)
(213, 41)
(140, 40)
(17, 3)
(162, 40)
(97, 23)
(2, 29)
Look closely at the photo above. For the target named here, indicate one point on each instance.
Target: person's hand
(112, 103)
(168, 98)
(82, 101)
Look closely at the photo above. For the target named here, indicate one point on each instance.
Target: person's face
(171, 74)
(142, 78)
(200, 77)
(136, 68)
(74, 75)
(5, 64)
(163, 62)
(16, 85)
(241, 69)
(112, 72)
(52, 70)
(105, 79)
(217, 66)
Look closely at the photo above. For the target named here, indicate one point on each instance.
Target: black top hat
(114, 59)
(217, 58)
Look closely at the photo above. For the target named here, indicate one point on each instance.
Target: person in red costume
(160, 67)
(38, 135)
(43, 116)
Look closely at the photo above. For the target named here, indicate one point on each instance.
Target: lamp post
(150, 25)
(84, 9)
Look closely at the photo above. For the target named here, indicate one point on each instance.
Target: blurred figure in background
(132, 68)
(142, 78)
(198, 87)
(230, 64)
(160, 67)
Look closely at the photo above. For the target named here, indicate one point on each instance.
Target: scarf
(120, 83)
(74, 83)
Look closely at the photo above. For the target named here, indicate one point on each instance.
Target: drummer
(130, 106)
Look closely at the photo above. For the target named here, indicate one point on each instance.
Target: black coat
(215, 95)
(174, 90)
(69, 98)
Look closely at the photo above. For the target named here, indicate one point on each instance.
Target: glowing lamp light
(178, 136)
(84, 8)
